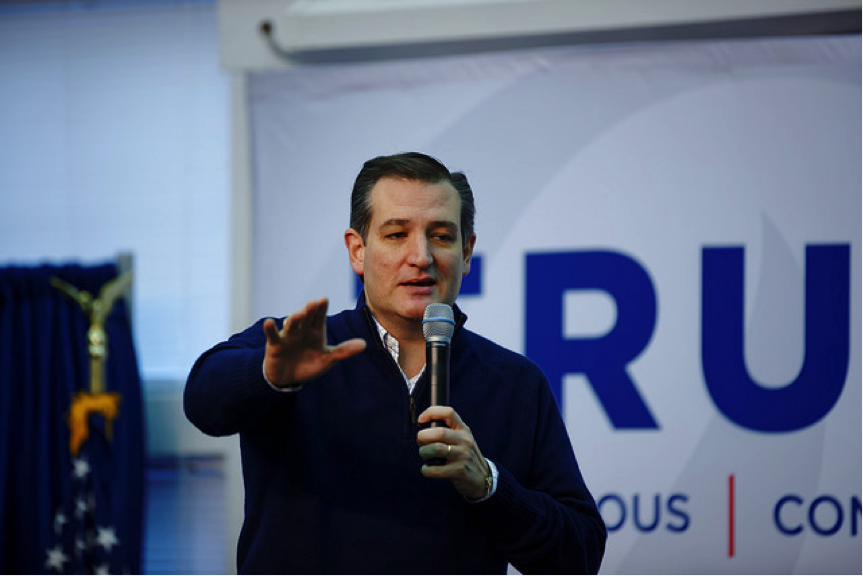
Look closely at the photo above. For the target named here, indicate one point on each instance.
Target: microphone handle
(437, 364)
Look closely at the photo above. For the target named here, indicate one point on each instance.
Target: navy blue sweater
(332, 472)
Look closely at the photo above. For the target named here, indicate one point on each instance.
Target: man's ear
(356, 250)
(467, 254)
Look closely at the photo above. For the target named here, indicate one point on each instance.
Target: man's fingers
(295, 323)
(348, 348)
(439, 451)
(318, 313)
(271, 331)
(312, 316)
(442, 413)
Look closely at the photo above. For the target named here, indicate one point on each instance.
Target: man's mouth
(419, 283)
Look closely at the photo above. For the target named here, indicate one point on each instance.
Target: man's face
(413, 254)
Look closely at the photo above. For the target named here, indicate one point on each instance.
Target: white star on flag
(107, 538)
(59, 521)
(56, 558)
(81, 507)
(80, 467)
(81, 546)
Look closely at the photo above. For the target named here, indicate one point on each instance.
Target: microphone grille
(438, 323)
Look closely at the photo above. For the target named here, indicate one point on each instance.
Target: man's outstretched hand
(299, 351)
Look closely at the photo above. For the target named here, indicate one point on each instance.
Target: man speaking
(343, 470)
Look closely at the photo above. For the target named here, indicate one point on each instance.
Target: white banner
(671, 230)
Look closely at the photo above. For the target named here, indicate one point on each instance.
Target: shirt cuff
(292, 388)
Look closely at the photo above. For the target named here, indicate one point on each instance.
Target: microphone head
(438, 323)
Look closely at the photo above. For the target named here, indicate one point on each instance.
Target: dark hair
(410, 166)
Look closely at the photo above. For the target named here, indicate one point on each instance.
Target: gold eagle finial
(96, 400)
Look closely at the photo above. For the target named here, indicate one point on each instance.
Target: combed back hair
(410, 166)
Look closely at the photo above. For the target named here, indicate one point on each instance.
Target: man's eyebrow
(395, 222)
(444, 224)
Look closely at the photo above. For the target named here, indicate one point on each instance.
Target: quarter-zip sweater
(332, 471)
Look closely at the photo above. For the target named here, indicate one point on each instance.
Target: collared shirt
(392, 345)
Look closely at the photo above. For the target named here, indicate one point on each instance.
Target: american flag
(85, 539)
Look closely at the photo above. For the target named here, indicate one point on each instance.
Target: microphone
(438, 327)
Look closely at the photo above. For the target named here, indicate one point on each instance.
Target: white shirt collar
(392, 345)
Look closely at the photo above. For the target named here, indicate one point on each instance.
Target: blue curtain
(59, 512)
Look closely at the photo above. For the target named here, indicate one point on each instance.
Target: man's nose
(420, 252)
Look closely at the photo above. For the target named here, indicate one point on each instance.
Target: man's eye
(395, 235)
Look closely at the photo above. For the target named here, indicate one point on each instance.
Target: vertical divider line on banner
(731, 516)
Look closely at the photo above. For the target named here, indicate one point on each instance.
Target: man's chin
(415, 309)
(414, 306)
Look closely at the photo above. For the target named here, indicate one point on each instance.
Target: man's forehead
(398, 198)
(408, 221)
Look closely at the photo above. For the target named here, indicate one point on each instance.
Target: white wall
(115, 123)
(114, 129)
